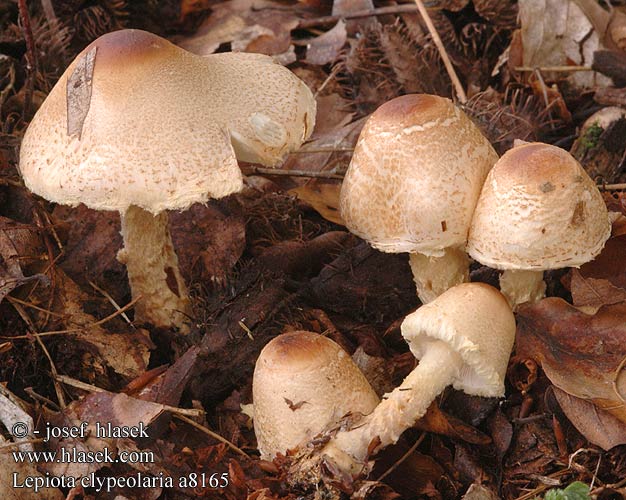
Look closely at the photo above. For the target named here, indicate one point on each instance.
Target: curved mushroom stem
(434, 275)
(153, 273)
(399, 409)
(522, 286)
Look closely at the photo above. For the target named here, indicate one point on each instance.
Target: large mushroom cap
(135, 120)
(302, 383)
(538, 210)
(475, 320)
(415, 176)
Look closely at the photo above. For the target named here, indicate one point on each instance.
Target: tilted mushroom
(538, 210)
(138, 125)
(303, 382)
(413, 183)
(463, 338)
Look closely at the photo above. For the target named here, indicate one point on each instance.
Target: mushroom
(538, 210)
(463, 338)
(413, 183)
(140, 126)
(304, 382)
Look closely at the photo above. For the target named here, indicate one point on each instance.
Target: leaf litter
(276, 258)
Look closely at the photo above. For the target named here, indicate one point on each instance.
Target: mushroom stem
(520, 286)
(401, 408)
(153, 273)
(435, 275)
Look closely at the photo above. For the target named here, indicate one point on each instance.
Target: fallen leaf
(559, 33)
(594, 293)
(439, 422)
(479, 492)
(323, 196)
(597, 425)
(260, 26)
(11, 276)
(326, 48)
(78, 93)
(581, 354)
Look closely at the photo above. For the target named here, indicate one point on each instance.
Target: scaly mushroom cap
(476, 321)
(303, 382)
(163, 127)
(538, 210)
(415, 176)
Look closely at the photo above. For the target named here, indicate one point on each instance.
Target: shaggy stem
(401, 408)
(434, 275)
(522, 286)
(153, 270)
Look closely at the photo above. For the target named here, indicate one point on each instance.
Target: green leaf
(575, 491)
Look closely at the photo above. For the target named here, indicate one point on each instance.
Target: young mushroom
(304, 382)
(413, 183)
(538, 210)
(463, 338)
(140, 126)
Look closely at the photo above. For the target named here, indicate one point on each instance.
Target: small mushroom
(140, 126)
(413, 183)
(304, 382)
(538, 210)
(463, 338)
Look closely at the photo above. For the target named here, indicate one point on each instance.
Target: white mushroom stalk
(412, 185)
(303, 383)
(140, 126)
(463, 338)
(538, 210)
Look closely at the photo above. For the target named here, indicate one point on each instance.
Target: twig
(31, 56)
(611, 187)
(214, 435)
(92, 388)
(86, 327)
(291, 173)
(322, 150)
(556, 69)
(53, 368)
(403, 457)
(460, 92)
(33, 306)
(381, 11)
(38, 397)
(112, 301)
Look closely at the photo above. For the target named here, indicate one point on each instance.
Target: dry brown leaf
(9, 467)
(594, 293)
(559, 33)
(79, 93)
(102, 408)
(259, 26)
(11, 237)
(580, 353)
(326, 48)
(597, 425)
(323, 196)
(439, 422)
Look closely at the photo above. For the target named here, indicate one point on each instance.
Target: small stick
(31, 56)
(291, 173)
(92, 388)
(74, 330)
(403, 457)
(322, 150)
(611, 187)
(112, 301)
(557, 69)
(460, 92)
(214, 435)
(381, 11)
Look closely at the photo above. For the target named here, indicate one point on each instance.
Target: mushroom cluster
(412, 185)
(463, 338)
(424, 180)
(140, 126)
